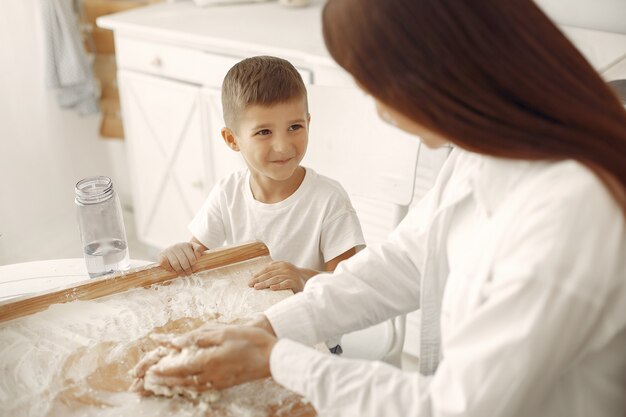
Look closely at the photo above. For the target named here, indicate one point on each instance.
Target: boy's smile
(273, 141)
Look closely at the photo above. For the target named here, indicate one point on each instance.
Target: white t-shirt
(314, 225)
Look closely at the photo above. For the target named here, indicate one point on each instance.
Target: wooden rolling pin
(123, 281)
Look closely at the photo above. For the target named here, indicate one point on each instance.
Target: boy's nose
(281, 144)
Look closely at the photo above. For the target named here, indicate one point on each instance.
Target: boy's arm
(332, 264)
(280, 275)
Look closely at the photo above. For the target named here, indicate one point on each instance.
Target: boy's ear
(230, 139)
(308, 118)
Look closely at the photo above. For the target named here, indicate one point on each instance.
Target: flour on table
(74, 359)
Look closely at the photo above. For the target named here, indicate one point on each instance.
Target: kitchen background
(45, 150)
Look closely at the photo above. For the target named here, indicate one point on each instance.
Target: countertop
(296, 33)
(249, 29)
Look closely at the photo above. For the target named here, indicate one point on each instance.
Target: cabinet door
(349, 142)
(222, 160)
(373, 161)
(166, 154)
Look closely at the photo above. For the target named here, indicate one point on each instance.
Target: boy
(305, 219)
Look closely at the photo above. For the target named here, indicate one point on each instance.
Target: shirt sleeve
(208, 225)
(503, 362)
(341, 233)
(339, 387)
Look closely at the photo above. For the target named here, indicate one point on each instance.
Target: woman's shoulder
(567, 202)
(566, 184)
(561, 217)
(571, 184)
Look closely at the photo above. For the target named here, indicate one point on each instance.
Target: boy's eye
(295, 127)
(263, 132)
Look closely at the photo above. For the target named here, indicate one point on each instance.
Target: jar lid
(93, 190)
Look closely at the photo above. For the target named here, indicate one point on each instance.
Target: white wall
(44, 150)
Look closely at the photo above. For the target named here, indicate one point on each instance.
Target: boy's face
(272, 140)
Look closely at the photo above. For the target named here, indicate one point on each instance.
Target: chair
(379, 217)
(383, 341)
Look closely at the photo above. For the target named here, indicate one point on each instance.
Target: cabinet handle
(156, 62)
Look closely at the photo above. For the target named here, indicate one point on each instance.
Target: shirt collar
(494, 179)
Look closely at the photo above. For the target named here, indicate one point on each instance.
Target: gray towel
(67, 66)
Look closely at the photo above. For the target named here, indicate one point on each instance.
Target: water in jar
(106, 256)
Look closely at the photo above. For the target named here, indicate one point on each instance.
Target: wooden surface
(35, 277)
(111, 126)
(119, 282)
(92, 9)
(101, 42)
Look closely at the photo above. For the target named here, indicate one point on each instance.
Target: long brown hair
(494, 77)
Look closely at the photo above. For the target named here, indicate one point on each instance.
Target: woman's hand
(228, 355)
(280, 275)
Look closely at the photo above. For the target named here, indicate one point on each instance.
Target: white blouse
(521, 267)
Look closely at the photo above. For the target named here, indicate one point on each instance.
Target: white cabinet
(170, 98)
(167, 154)
(350, 143)
(169, 61)
(374, 162)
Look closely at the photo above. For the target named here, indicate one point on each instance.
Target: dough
(149, 383)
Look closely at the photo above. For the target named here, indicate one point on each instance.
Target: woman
(517, 257)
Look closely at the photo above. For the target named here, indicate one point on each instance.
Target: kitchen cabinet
(100, 42)
(170, 105)
(165, 131)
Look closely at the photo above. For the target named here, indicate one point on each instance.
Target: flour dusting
(75, 359)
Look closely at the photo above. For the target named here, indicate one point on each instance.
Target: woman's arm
(332, 264)
(377, 283)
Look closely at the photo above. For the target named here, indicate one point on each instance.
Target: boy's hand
(280, 275)
(181, 256)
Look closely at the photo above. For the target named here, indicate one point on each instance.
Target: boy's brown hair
(264, 80)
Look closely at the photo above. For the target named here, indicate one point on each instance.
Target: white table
(33, 277)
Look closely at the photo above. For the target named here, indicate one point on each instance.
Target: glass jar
(101, 226)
